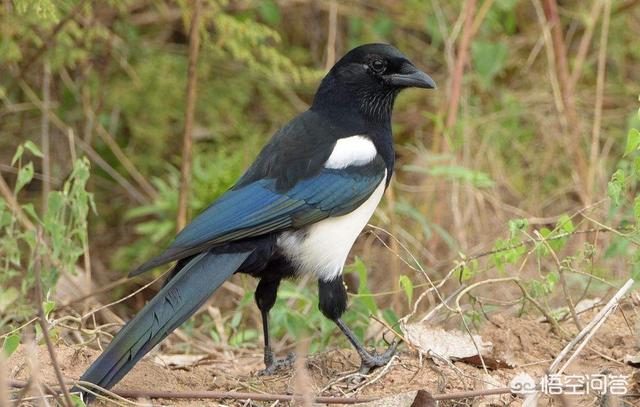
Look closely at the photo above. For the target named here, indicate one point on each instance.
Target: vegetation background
(521, 168)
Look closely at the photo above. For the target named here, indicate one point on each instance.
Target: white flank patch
(354, 150)
(322, 248)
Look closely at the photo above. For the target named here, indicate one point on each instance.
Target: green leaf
(468, 270)
(48, 306)
(364, 294)
(10, 344)
(77, 401)
(489, 59)
(516, 225)
(565, 224)
(34, 149)
(270, 12)
(633, 141)
(636, 209)
(25, 175)
(478, 179)
(7, 297)
(18, 154)
(616, 186)
(390, 316)
(235, 320)
(407, 286)
(31, 210)
(382, 26)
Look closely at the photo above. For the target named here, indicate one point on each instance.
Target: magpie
(297, 210)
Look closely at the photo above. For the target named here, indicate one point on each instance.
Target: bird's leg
(266, 293)
(333, 303)
(369, 360)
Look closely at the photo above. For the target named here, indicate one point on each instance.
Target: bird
(297, 210)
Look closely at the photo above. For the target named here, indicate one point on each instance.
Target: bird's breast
(322, 248)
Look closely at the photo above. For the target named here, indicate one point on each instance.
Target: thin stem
(187, 140)
(44, 135)
(597, 114)
(461, 60)
(42, 320)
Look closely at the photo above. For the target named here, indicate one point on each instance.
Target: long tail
(177, 301)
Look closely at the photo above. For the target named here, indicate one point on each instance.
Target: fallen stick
(589, 330)
(582, 339)
(207, 394)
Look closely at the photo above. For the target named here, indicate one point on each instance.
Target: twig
(44, 135)
(597, 114)
(461, 60)
(379, 375)
(626, 6)
(563, 281)
(123, 298)
(14, 206)
(556, 237)
(437, 308)
(482, 13)
(585, 41)
(187, 140)
(331, 35)
(393, 331)
(556, 328)
(584, 336)
(93, 155)
(589, 330)
(45, 329)
(207, 394)
(23, 390)
(566, 89)
(104, 288)
(4, 386)
(126, 162)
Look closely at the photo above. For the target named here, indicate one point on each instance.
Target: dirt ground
(525, 344)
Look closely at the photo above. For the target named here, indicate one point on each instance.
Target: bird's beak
(412, 77)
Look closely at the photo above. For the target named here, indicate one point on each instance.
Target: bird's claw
(277, 364)
(373, 360)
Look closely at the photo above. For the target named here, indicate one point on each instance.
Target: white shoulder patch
(354, 150)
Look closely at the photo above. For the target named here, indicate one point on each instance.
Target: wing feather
(259, 208)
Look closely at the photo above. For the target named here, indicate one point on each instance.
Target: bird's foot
(373, 360)
(274, 365)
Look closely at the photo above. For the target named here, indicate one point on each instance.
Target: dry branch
(208, 394)
(331, 36)
(461, 60)
(572, 125)
(42, 320)
(187, 140)
(583, 337)
(597, 114)
(44, 135)
(585, 41)
(14, 206)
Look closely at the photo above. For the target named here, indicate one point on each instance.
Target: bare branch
(187, 140)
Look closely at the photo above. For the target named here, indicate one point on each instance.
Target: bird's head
(368, 78)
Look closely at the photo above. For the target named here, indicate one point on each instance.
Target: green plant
(59, 236)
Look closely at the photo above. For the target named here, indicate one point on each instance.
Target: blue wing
(258, 208)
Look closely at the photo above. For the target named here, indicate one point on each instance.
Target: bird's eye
(377, 65)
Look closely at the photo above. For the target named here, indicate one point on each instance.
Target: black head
(367, 79)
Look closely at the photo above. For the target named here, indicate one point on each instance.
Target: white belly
(322, 248)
